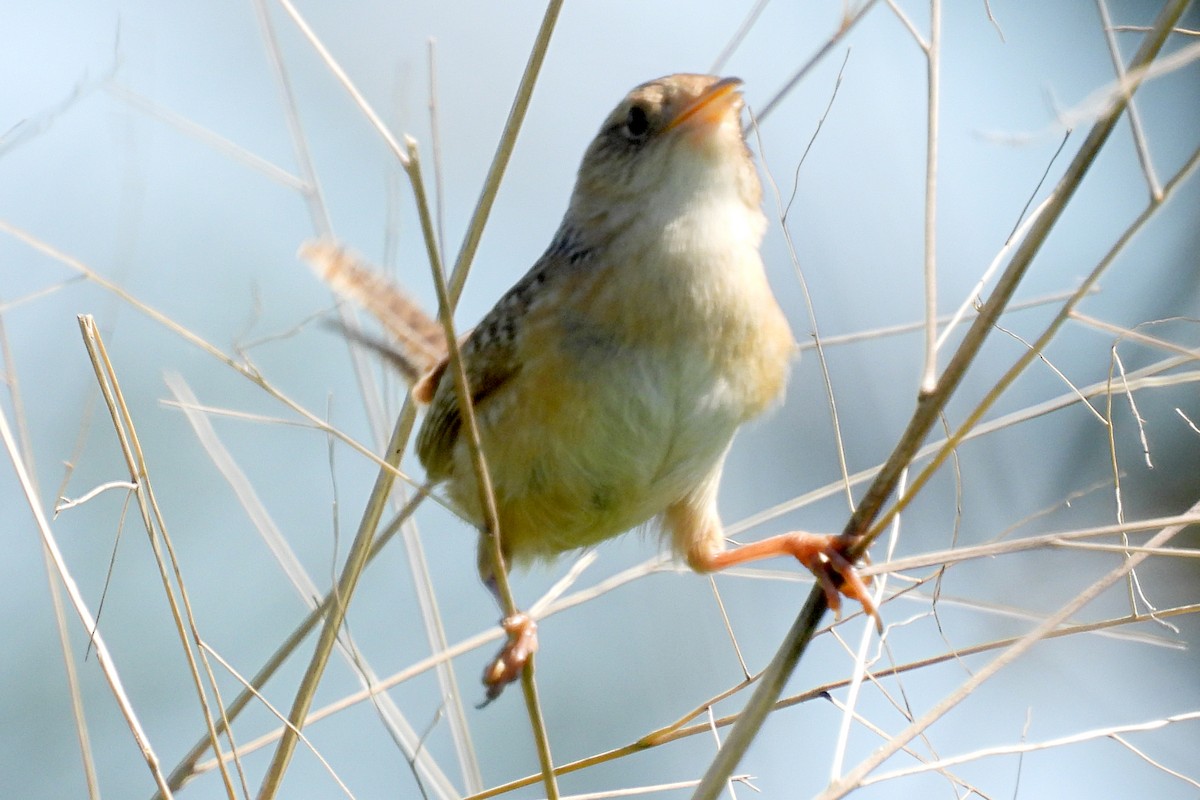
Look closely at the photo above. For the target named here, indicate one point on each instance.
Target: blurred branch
(187, 767)
(547, 605)
(306, 589)
(368, 111)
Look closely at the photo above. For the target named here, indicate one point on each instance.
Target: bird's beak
(712, 106)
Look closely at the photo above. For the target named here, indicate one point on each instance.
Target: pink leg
(822, 554)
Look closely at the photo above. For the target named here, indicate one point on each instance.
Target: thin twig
(504, 149)
(1135, 119)
(817, 341)
(1016, 230)
(348, 581)
(107, 665)
(1058, 372)
(680, 730)
(65, 503)
(154, 523)
(857, 776)
(487, 498)
(992, 19)
(1032, 747)
(1195, 784)
(728, 625)
(278, 715)
(847, 25)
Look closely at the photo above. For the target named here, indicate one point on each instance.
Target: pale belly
(581, 449)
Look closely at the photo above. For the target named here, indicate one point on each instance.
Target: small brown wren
(609, 381)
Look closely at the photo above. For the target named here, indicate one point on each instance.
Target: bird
(609, 381)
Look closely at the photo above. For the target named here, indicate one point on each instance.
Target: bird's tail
(418, 342)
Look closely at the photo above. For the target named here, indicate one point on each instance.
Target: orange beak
(711, 106)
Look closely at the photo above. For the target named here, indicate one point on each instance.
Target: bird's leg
(822, 554)
(522, 642)
(697, 531)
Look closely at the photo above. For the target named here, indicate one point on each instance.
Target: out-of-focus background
(150, 143)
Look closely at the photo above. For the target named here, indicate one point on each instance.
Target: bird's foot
(825, 556)
(508, 664)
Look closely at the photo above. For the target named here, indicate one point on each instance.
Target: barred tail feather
(419, 342)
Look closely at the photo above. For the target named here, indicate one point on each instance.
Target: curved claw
(837, 576)
(510, 662)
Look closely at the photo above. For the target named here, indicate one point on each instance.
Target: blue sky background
(211, 242)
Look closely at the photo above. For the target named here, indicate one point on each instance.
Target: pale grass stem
(356, 559)
(307, 590)
(62, 572)
(279, 716)
(156, 529)
(1135, 118)
(1110, 732)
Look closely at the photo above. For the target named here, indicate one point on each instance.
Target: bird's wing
(488, 365)
(490, 358)
(492, 353)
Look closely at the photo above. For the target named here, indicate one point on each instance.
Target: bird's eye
(637, 124)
